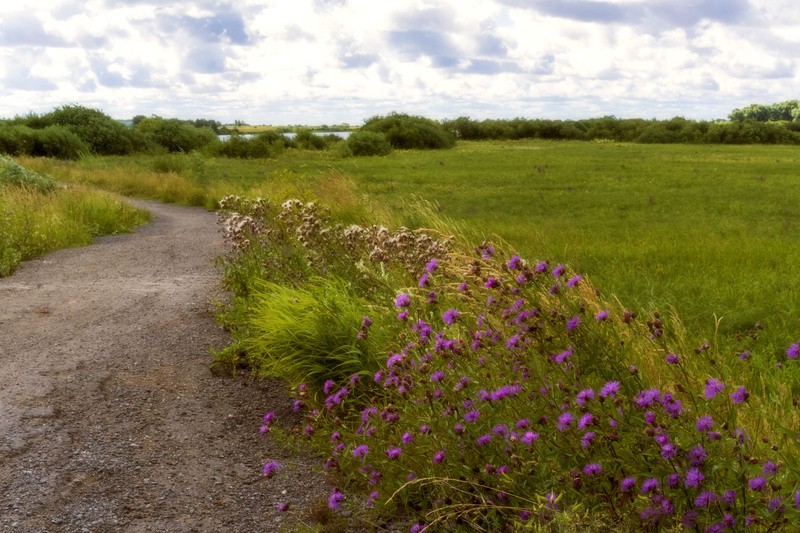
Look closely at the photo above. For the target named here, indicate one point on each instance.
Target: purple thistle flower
(563, 356)
(437, 376)
(573, 323)
(729, 498)
(491, 283)
(611, 389)
(745, 355)
(523, 423)
(282, 507)
(770, 468)
(402, 300)
(713, 387)
(394, 452)
(530, 437)
(574, 280)
(488, 252)
(359, 452)
(704, 423)
(450, 316)
(674, 480)
(417, 528)
(403, 316)
(672, 359)
(525, 515)
(270, 468)
(586, 421)
(689, 519)
(328, 386)
(693, 478)
(584, 396)
(650, 485)
(627, 484)
(483, 440)
(431, 266)
(668, 450)
(439, 457)
(601, 316)
(705, 498)
(514, 262)
(423, 280)
(592, 469)
(587, 438)
(650, 417)
(463, 286)
(564, 420)
(757, 483)
(500, 429)
(472, 416)
(797, 500)
(648, 397)
(697, 456)
(541, 266)
(335, 499)
(740, 395)
(793, 351)
(424, 429)
(458, 428)
(407, 438)
(775, 505)
(558, 270)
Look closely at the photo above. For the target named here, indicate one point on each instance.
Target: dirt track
(110, 419)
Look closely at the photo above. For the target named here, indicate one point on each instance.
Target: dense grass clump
(37, 217)
(510, 395)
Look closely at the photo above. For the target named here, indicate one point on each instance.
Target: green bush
(18, 176)
(307, 139)
(410, 132)
(59, 142)
(103, 134)
(368, 143)
(175, 135)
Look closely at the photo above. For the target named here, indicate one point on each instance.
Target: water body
(291, 135)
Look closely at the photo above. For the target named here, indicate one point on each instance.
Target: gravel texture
(110, 418)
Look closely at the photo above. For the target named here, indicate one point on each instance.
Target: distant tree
(410, 132)
(101, 133)
(175, 135)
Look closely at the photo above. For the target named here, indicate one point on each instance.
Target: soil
(110, 417)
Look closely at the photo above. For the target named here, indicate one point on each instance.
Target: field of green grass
(710, 230)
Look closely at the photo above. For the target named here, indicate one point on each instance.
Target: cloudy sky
(330, 61)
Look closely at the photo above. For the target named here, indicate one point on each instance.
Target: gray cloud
(414, 44)
(358, 60)
(20, 29)
(106, 77)
(658, 15)
(433, 19)
(18, 75)
(488, 67)
(491, 45)
(205, 60)
(225, 25)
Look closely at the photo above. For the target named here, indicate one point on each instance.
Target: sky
(317, 62)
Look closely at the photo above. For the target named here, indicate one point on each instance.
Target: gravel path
(110, 419)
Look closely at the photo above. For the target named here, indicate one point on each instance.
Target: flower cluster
(511, 385)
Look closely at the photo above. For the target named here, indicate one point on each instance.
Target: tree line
(70, 131)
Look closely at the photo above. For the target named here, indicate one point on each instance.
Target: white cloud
(315, 61)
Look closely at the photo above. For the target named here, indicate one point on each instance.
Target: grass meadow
(707, 231)
(458, 384)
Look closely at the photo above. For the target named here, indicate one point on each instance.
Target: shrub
(103, 134)
(410, 132)
(368, 143)
(59, 142)
(16, 175)
(307, 139)
(175, 135)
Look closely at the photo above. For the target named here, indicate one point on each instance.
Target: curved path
(110, 419)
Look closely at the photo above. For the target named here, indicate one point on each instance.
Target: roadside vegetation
(37, 215)
(515, 334)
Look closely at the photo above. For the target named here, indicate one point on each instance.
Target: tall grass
(511, 394)
(34, 222)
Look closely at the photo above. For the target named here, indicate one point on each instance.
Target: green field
(709, 230)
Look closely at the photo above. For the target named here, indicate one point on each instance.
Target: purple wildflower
(437, 376)
(672, 359)
(483, 440)
(674, 480)
(729, 498)
(757, 483)
(359, 452)
(491, 283)
(417, 528)
(650, 485)
(563, 356)
(574, 280)
(500, 429)
(601, 316)
(558, 270)
(394, 452)
(592, 469)
(586, 421)
(407, 438)
(472, 416)
(697, 455)
(458, 429)
(270, 468)
(530, 437)
(431, 266)
(740, 395)
(775, 505)
(523, 423)
(402, 316)
(584, 396)
(770, 468)
(627, 484)
(713, 387)
(587, 438)
(402, 300)
(611, 389)
(439, 457)
(704, 423)
(793, 351)
(693, 478)
(423, 280)
(573, 323)
(646, 398)
(335, 499)
(282, 507)
(668, 450)
(797, 499)
(514, 262)
(705, 498)
(541, 267)
(564, 420)
(450, 316)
